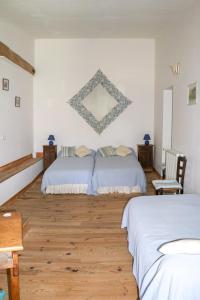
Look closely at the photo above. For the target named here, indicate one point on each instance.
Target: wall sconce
(175, 68)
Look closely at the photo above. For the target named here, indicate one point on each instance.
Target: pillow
(183, 246)
(82, 151)
(67, 151)
(123, 151)
(107, 151)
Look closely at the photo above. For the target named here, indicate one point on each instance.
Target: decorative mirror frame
(122, 102)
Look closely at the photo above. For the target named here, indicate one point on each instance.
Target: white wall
(16, 183)
(64, 66)
(180, 44)
(16, 124)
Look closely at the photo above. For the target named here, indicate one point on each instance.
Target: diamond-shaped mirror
(99, 102)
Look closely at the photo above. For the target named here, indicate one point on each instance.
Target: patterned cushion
(123, 151)
(67, 151)
(166, 184)
(82, 151)
(107, 151)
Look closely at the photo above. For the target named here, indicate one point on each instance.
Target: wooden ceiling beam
(15, 58)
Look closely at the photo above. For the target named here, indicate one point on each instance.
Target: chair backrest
(180, 173)
(175, 166)
(171, 159)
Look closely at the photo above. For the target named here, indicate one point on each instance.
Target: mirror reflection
(99, 102)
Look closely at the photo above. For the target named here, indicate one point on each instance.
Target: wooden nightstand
(49, 155)
(145, 157)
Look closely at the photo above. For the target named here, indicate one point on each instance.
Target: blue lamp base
(146, 143)
(50, 143)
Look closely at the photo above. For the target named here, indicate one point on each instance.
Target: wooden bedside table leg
(13, 279)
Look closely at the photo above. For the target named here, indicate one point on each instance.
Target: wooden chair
(10, 244)
(172, 185)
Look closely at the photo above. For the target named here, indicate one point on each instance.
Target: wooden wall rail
(15, 163)
(15, 58)
(17, 166)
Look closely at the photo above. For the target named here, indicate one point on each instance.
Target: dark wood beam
(15, 58)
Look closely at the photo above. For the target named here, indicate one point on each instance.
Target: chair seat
(6, 261)
(166, 184)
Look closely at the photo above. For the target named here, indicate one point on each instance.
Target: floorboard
(74, 248)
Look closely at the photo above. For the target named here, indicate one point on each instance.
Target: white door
(167, 121)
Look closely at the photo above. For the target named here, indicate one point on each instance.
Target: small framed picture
(17, 101)
(5, 84)
(192, 93)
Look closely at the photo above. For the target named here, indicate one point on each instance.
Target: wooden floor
(74, 249)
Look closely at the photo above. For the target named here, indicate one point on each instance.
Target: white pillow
(82, 151)
(183, 246)
(123, 151)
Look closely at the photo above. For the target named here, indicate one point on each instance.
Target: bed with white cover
(152, 221)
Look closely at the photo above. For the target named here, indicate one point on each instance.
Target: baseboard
(157, 173)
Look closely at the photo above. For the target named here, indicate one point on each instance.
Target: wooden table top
(10, 231)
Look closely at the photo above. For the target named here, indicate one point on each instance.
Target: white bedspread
(152, 221)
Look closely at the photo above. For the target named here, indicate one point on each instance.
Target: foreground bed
(152, 221)
(118, 174)
(69, 175)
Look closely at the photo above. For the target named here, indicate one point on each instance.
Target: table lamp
(51, 138)
(146, 138)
